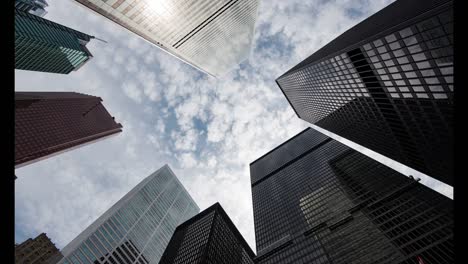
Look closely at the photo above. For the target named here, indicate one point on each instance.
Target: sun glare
(160, 7)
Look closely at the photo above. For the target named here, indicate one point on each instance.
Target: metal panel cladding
(333, 204)
(211, 35)
(136, 229)
(386, 84)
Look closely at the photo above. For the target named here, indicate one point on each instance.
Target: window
(390, 38)
(395, 45)
(410, 41)
(427, 73)
(436, 88)
(439, 96)
(419, 56)
(378, 43)
(406, 32)
(418, 88)
(403, 60)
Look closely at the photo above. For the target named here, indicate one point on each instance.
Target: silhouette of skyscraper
(49, 123)
(386, 84)
(208, 237)
(316, 200)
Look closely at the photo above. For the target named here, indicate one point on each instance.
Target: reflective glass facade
(386, 84)
(49, 123)
(327, 203)
(136, 229)
(208, 237)
(42, 45)
(35, 7)
(212, 35)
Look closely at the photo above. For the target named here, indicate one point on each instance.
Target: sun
(162, 8)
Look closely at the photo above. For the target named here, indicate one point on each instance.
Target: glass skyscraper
(211, 35)
(208, 237)
(137, 229)
(315, 200)
(46, 46)
(386, 84)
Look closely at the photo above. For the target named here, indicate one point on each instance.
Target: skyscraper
(35, 7)
(211, 35)
(208, 237)
(43, 45)
(316, 200)
(36, 251)
(49, 123)
(136, 229)
(386, 84)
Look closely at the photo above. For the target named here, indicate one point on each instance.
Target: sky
(208, 130)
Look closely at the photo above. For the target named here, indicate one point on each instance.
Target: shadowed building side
(327, 203)
(393, 72)
(208, 237)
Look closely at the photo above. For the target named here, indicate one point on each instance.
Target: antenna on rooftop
(100, 39)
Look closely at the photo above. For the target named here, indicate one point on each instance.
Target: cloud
(185, 140)
(131, 89)
(187, 160)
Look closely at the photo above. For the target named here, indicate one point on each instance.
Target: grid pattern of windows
(137, 229)
(42, 45)
(334, 83)
(336, 205)
(188, 245)
(417, 61)
(282, 154)
(211, 35)
(35, 7)
(391, 90)
(35, 251)
(209, 237)
(50, 122)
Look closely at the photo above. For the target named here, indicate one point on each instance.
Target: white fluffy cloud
(132, 90)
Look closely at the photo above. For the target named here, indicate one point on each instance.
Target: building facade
(386, 84)
(35, 7)
(211, 35)
(136, 229)
(49, 123)
(36, 251)
(316, 200)
(46, 46)
(208, 237)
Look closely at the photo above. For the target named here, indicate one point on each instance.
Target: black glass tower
(209, 237)
(386, 84)
(316, 200)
